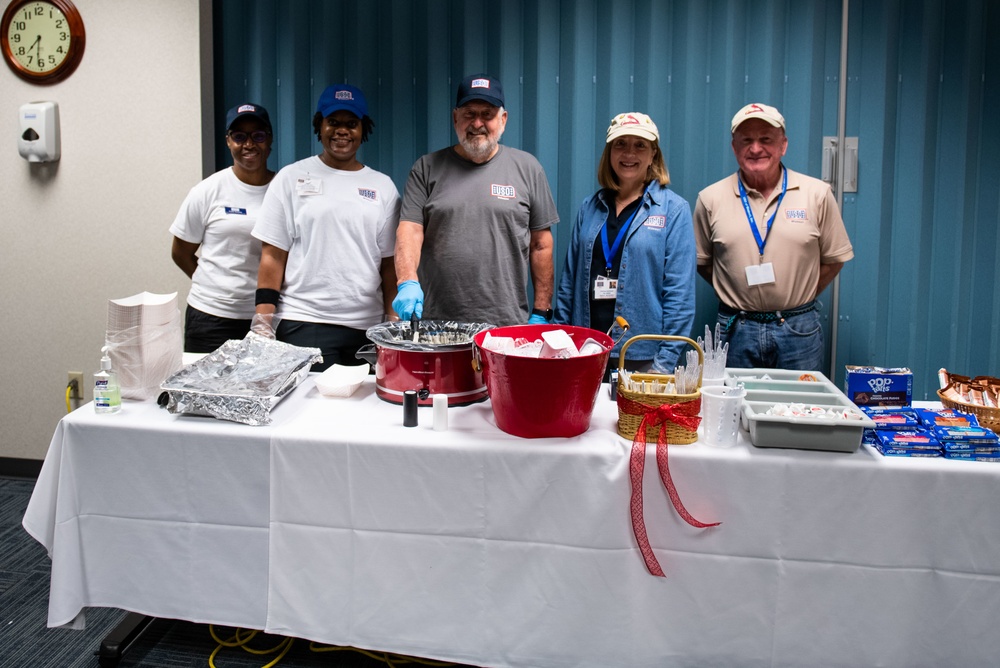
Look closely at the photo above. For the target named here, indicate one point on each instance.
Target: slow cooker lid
(432, 335)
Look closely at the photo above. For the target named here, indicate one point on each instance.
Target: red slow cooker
(438, 362)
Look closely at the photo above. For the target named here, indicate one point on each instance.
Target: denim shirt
(657, 277)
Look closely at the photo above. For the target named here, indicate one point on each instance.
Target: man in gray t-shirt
(475, 221)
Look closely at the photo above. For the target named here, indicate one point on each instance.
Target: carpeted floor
(26, 642)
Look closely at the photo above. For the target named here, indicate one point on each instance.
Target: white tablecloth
(340, 525)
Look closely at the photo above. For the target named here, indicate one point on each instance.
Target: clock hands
(34, 45)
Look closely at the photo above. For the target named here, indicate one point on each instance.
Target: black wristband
(267, 296)
(547, 313)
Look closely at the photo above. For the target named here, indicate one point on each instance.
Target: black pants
(338, 343)
(203, 332)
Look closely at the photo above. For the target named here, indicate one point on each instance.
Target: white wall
(94, 225)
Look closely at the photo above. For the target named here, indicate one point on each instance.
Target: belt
(765, 316)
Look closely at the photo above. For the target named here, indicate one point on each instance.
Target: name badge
(796, 216)
(307, 185)
(235, 210)
(760, 274)
(605, 288)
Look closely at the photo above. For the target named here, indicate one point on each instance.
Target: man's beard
(477, 149)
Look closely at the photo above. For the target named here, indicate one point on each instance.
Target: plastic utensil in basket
(669, 418)
(633, 406)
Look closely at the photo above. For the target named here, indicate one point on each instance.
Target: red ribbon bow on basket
(684, 414)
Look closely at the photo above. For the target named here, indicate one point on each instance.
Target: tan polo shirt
(808, 231)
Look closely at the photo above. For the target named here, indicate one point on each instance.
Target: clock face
(42, 39)
(39, 37)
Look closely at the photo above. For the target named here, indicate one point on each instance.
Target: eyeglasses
(258, 137)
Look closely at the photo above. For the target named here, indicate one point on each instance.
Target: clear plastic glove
(409, 300)
(265, 324)
(536, 319)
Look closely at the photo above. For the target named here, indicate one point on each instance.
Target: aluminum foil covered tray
(241, 381)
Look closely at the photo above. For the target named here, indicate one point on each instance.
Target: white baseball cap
(761, 111)
(633, 123)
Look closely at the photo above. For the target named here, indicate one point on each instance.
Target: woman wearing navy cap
(328, 227)
(632, 251)
(217, 217)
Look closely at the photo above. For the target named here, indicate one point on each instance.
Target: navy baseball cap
(480, 87)
(244, 110)
(342, 96)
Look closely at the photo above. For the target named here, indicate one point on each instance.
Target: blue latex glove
(535, 319)
(409, 300)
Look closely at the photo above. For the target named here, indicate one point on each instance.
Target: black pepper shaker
(410, 408)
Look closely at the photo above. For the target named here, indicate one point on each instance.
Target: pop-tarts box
(878, 386)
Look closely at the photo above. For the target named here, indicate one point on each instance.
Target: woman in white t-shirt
(328, 227)
(216, 219)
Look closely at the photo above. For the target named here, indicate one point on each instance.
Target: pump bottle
(107, 393)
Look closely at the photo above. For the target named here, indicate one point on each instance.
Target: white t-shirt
(219, 214)
(337, 226)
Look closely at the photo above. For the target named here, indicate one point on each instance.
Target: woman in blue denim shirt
(632, 251)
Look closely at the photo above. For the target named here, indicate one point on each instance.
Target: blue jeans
(796, 343)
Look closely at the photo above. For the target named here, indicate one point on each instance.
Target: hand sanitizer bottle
(107, 393)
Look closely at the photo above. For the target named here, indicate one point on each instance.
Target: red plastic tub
(539, 398)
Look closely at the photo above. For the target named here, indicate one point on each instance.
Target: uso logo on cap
(480, 83)
(344, 95)
(246, 107)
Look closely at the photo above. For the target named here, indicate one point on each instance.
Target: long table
(339, 525)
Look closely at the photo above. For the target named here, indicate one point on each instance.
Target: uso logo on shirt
(503, 192)
(368, 194)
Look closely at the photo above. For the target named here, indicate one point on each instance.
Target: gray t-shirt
(477, 220)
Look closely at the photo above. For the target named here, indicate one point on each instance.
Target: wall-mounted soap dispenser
(39, 127)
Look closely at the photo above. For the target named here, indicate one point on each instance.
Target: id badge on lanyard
(763, 272)
(606, 287)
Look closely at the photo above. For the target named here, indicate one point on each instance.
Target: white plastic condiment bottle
(107, 393)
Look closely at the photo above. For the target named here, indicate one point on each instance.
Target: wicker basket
(628, 421)
(987, 416)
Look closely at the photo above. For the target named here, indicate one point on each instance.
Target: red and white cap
(633, 123)
(761, 111)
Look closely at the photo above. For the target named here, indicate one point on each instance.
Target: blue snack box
(972, 456)
(973, 435)
(908, 452)
(891, 417)
(912, 439)
(878, 386)
(974, 448)
(945, 417)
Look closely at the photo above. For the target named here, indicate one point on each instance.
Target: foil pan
(432, 335)
(240, 381)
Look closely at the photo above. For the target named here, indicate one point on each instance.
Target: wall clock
(42, 40)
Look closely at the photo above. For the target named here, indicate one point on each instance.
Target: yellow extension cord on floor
(238, 640)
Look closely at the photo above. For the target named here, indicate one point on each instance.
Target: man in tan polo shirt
(769, 240)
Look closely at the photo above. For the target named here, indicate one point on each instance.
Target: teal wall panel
(921, 290)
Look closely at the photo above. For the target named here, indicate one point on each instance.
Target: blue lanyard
(612, 251)
(749, 212)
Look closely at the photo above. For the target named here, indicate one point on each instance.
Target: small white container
(341, 381)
